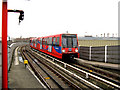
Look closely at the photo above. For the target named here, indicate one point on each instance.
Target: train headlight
(63, 50)
(76, 50)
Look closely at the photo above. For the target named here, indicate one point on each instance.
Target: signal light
(21, 17)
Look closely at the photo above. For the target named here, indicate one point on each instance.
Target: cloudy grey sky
(48, 17)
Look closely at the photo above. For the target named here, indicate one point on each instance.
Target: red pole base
(4, 46)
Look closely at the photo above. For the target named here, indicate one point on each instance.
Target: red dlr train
(62, 46)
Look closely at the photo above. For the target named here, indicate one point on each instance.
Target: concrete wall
(98, 42)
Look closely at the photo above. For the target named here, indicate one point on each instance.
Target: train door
(32, 42)
(45, 44)
(35, 43)
(53, 45)
(56, 45)
(40, 43)
(50, 44)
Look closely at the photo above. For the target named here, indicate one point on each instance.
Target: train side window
(50, 41)
(75, 42)
(46, 41)
(33, 41)
(43, 41)
(36, 41)
(58, 39)
(54, 39)
(40, 40)
(64, 42)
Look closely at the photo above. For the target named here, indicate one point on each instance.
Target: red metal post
(4, 46)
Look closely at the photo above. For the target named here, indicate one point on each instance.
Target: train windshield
(69, 41)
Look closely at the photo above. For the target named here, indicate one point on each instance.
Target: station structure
(18, 66)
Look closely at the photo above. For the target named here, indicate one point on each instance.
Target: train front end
(69, 46)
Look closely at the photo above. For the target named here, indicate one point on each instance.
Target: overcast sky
(49, 17)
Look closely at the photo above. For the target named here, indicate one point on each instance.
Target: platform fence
(107, 54)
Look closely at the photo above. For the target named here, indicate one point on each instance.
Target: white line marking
(16, 62)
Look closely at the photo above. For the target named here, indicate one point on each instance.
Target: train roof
(53, 35)
(58, 35)
(33, 38)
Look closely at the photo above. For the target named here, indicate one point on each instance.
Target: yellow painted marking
(47, 77)
(90, 70)
(25, 61)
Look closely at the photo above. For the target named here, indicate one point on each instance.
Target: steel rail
(45, 71)
(97, 74)
(106, 73)
(39, 76)
(59, 74)
(87, 73)
(93, 85)
(106, 81)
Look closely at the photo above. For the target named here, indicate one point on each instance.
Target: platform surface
(101, 64)
(21, 77)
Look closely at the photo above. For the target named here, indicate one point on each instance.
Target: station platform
(21, 77)
(100, 64)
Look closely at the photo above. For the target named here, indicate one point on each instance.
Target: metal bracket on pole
(21, 17)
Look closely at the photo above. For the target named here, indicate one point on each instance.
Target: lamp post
(4, 41)
(4, 46)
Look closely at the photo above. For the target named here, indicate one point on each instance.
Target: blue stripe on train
(44, 48)
(57, 49)
(38, 42)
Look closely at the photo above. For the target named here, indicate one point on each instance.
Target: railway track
(105, 73)
(73, 75)
(43, 73)
(64, 74)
